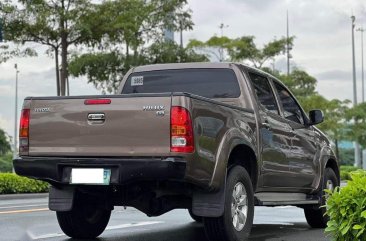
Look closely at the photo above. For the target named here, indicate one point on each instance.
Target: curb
(23, 196)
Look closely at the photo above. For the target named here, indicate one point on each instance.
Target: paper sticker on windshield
(137, 80)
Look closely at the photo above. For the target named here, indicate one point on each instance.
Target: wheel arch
(333, 164)
(249, 162)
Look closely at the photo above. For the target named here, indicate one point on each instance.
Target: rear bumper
(58, 170)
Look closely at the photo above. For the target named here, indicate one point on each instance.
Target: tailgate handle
(96, 117)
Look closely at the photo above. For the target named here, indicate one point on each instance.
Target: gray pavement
(27, 218)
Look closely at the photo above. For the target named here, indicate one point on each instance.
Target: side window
(292, 110)
(264, 92)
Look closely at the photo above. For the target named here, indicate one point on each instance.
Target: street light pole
(357, 146)
(361, 30)
(287, 45)
(16, 113)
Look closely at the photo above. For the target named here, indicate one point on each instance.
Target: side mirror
(316, 117)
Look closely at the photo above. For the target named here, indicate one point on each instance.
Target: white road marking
(23, 206)
(24, 211)
(127, 225)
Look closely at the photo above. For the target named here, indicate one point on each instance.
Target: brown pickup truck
(214, 138)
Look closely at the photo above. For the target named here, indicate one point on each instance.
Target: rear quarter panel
(218, 128)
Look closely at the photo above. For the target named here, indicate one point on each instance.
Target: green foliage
(129, 33)
(357, 123)
(346, 208)
(243, 48)
(300, 83)
(104, 70)
(11, 183)
(4, 143)
(6, 163)
(170, 52)
(347, 156)
(104, 28)
(346, 172)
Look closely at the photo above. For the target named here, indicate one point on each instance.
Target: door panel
(303, 161)
(276, 150)
(275, 136)
(302, 157)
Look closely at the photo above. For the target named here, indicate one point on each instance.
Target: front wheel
(315, 216)
(84, 221)
(236, 222)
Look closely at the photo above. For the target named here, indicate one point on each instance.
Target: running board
(282, 199)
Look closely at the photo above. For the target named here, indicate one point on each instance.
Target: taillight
(181, 130)
(97, 102)
(24, 131)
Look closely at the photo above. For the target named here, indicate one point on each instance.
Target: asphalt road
(29, 219)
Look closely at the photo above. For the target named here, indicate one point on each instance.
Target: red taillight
(24, 123)
(181, 130)
(24, 132)
(97, 102)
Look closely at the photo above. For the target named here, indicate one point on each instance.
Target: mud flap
(61, 199)
(209, 204)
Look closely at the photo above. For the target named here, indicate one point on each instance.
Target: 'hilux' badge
(153, 107)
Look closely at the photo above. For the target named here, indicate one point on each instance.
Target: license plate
(97, 176)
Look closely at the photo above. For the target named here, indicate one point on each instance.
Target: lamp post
(361, 30)
(357, 146)
(288, 47)
(16, 113)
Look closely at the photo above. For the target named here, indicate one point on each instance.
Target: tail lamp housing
(181, 130)
(24, 132)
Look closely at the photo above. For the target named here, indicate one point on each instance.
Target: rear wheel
(236, 222)
(84, 221)
(315, 215)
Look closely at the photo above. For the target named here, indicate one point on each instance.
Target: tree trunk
(57, 72)
(63, 51)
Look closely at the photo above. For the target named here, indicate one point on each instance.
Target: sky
(322, 46)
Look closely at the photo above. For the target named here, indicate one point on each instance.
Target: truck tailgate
(128, 125)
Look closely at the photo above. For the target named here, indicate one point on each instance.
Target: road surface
(23, 218)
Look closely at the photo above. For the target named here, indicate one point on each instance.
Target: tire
(222, 228)
(196, 218)
(315, 216)
(84, 221)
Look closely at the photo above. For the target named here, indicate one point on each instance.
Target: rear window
(210, 83)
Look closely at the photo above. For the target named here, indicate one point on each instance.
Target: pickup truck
(216, 139)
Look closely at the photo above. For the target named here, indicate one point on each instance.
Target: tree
(6, 163)
(300, 83)
(5, 146)
(132, 35)
(357, 124)
(214, 46)
(106, 70)
(55, 24)
(170, 52)
(243, 48)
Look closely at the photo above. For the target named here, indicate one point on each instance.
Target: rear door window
(264, 93)
(291, 109)
(210, 83)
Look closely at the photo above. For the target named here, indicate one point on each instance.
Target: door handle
(266, 125)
